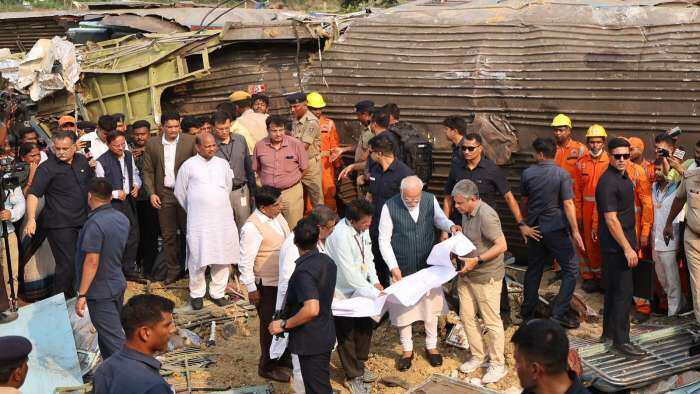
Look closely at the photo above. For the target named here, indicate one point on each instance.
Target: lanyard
(361, 246)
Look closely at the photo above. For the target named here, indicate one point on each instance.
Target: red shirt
(281, 168)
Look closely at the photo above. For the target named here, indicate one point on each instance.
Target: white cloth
(43, 157)
(217, 286)
(666, 268)
(100, 172)
(431, 335)
(386, 229)
(97, 146)
(289, 253)
(297, 379)
(251, 238)
(352, 253)
(169, 151)
(663, 199)
(202, 188)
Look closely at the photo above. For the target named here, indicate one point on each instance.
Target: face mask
(600, 152)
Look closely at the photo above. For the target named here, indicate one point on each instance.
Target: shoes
(278, 375)
(7, 317)
(472, 365)
(357, 386)
(494, 374)
(369, 376)
(197, 303)
(566, 322)
(223, 301)
(639, 318)
(590, 286)
(435, 359)
(629, 350)
(605, 341)
(404, 363)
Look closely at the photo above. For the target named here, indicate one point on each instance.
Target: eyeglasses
(622, 156)
(469, 148)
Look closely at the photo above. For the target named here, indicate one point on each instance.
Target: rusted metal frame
(533, 61)
(481, 28)
(344, 64)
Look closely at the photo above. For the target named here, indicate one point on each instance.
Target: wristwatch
(522, 223)
(479, 260)
(283, 325)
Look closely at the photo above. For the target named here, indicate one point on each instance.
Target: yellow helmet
(562, 120)
(596, 131)
(315, 100)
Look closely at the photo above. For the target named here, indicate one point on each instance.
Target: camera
(12, 173)
(674, 132)
(664, 153)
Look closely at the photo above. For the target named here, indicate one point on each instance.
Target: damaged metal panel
(129, 75)
(237, 66)
(19, 35)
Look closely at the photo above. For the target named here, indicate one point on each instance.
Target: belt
(234, 188)
(589, 198)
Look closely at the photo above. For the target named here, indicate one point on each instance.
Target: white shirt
(251, 238)
(352, 253)
(100, 172)
(662, 207)
(386, 229)
(169, 149)
(97, 146)
(289, 253)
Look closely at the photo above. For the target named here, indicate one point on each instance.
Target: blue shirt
(130, 371)
(105, 232)
(546, 187)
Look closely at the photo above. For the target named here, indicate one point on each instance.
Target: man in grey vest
(406, 236)
(117, 166)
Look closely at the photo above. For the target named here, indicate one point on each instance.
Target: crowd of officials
(253, 190)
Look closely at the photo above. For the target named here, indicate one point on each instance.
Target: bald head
(206, 145)
(411, 191)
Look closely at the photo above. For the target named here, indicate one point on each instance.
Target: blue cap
(296, 98)
(15, 349)
(364, 106)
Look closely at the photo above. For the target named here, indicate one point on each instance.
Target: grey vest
(412, 241)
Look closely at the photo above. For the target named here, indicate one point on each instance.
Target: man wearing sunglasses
(492, 183)
(618, 244)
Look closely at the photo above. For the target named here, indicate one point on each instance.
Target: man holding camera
(63, 179)
(13, 210)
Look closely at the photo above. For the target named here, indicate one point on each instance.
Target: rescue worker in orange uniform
(330, 142)
(587, 171)
(637, 157)
(569, 151)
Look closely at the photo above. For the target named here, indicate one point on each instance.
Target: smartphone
(87, 144)
(674, 132)
(679, 154)
(663, 152)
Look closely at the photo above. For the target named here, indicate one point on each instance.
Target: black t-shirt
(489, 179)
(65, 187)
(313, 279)
(615, 193)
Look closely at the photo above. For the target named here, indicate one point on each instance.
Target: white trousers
(217, 287)
(666, 269)
(431, 334)
(297, 380)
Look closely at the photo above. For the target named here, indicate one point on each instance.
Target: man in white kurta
(202, 187)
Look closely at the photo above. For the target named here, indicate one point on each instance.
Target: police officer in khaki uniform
(689, 192)
(306, 128)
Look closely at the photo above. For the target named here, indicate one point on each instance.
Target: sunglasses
(469, 148)
(621, 156)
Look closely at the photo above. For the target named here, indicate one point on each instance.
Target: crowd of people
(252, 190)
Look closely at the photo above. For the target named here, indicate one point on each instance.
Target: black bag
(416, 149)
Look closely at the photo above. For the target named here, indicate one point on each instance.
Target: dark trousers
(354, 336)
(4, 299)
(104, 315)
(148, 235)
(553, 245)
(316, 372)
(617, 301)
(383, 273)
(63, 243)
(128, 208)
(266, 308)
(172, 218)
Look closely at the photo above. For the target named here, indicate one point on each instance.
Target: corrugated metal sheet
(20, 34)
(237, 66)
(632, 68)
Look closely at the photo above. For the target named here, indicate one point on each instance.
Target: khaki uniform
(308, 130)
(690, 189)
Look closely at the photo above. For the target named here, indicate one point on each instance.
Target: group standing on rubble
(233, 189)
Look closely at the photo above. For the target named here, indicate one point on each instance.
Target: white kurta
(202, 188)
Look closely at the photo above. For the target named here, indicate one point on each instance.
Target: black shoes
(404, 363)
(435, 359)
(639, 318)
(567, 322)
(629, 350)
(277, 374)
(223, 301)
(197, 303)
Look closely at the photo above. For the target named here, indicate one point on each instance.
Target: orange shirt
(329, 140)
(587, 172)
(643, 205)
(568, 155)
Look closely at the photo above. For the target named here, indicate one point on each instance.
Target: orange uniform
(644, 218)
(587, 172)
(329, 141)
(568, 155)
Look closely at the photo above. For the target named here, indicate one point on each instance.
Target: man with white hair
(406, 236)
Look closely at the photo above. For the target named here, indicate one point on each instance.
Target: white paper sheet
(457, 244)
(409, 290)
